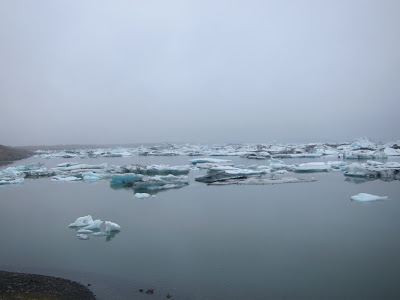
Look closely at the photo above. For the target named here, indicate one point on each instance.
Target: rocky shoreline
(21, 286)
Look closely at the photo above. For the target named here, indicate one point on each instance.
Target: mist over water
(201, 72)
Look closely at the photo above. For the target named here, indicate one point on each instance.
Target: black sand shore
(21, 286)
(10, 154)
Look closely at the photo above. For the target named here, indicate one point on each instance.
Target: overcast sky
(198, 71)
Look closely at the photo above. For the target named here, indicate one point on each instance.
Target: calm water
(293, 241)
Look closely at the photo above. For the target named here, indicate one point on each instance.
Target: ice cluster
(88, 226)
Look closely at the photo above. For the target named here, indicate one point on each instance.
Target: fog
(91, 72)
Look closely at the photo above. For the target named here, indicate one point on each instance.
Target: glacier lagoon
(286, 241)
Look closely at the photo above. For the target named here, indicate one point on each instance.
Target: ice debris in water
(86, 231)
(82, 236)
(124, 178)
(110, 226)
(101, 233)
(82, 221)
(311, 167)
(142, 195)
(65, 178)
(95, 225)
(364, 197)
(157, 169)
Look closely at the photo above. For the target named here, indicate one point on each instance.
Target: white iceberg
(95, 225)
(391, 152)
(82, 221)
(142, 195)
(364, 197)
(110, 226)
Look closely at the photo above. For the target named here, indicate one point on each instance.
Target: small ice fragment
(110, 226)
(363, 197)
(83, 236)
(82, 221)
(86, 231)
(95, 225)
(142, 195)
(100, 233)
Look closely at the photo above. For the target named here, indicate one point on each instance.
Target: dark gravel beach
(22, 286)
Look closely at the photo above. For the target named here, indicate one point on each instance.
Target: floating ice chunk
(90, 176)
(4, 181)
(158, 169)
(82, 221)
(82, 167)
(95, 225)
(392, 152)
(65, 178)
(142, 195)
(262, 181)
(311, 167)
(337, 164)
(100, 233)
(363, 197)
(124, 178)
(209, 160)
(110, 226)
(158, 184)
(82, 236)
(85, 231)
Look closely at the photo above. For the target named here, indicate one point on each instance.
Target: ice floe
(82, 221)
(82, 236)
(141, 195)
(110, 226)
(364, 197)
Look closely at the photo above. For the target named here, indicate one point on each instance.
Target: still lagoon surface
(284, 241)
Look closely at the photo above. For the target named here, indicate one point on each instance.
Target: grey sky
(198, 71)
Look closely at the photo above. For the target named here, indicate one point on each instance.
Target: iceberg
(125, 178)
(157, 169)
(209, 160)
(82, 221)
(157, 184)
(141, 195)
(312, 167)
(110, 226)
(363, 197)
(391, 152)
(4, 181)
(95, 225)
(262, 181)
(82, 236)
(65, 178)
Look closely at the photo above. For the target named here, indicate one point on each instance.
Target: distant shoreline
(27, 286)
(11, 154)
